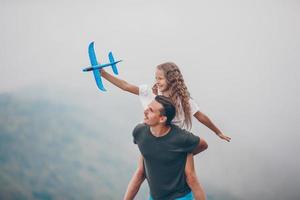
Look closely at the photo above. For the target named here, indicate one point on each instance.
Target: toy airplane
(95, 66)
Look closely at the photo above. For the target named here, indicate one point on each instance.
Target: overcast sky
(240, 60)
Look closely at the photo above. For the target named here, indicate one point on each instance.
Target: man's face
(152, 114)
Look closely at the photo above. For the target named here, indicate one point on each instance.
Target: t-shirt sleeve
(135, 134)
(191, 142)
(194, 106)
(146, 95)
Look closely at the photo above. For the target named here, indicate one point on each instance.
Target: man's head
(159, 111)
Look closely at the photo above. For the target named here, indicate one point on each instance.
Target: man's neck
(160, 130)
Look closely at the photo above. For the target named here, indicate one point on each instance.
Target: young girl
(170, 83)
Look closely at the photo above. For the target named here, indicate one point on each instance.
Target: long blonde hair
(179, 93)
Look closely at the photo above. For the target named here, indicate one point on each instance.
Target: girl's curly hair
(179, 93)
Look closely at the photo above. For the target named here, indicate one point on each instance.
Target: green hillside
(48, 151)
(55, 151)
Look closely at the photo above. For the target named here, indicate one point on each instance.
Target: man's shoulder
(179, 130)
(138, 128)
(139, 132)
(181, 133)
(185, 139)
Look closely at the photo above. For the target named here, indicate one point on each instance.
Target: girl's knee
(203, 144)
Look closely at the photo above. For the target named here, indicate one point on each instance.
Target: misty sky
(240, 61)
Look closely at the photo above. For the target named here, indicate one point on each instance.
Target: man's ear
(162, 119)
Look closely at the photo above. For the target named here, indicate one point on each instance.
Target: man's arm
(136, 181)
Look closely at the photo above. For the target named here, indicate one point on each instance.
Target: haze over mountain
(63, 139)
(56, 151)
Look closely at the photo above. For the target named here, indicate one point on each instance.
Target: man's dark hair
(168, 108)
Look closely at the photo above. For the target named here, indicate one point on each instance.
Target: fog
(240, 61)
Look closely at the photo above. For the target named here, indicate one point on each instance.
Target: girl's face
(161, 81)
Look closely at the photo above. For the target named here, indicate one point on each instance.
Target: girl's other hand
(224, 137)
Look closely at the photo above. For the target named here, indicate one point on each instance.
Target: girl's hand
(224, 137)
(155, 89)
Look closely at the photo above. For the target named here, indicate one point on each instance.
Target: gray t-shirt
(165, 159)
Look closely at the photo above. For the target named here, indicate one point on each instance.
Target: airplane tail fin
(112, 60)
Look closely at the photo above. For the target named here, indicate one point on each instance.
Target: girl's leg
(192, 179)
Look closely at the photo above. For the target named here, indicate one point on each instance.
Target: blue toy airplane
(95, 66)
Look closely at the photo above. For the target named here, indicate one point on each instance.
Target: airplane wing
(94, 62)
(113, 63)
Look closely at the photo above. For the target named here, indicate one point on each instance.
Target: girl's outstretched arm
(201, 117)
(120, 83)
(136, 181)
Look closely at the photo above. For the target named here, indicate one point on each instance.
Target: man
(164, 148)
